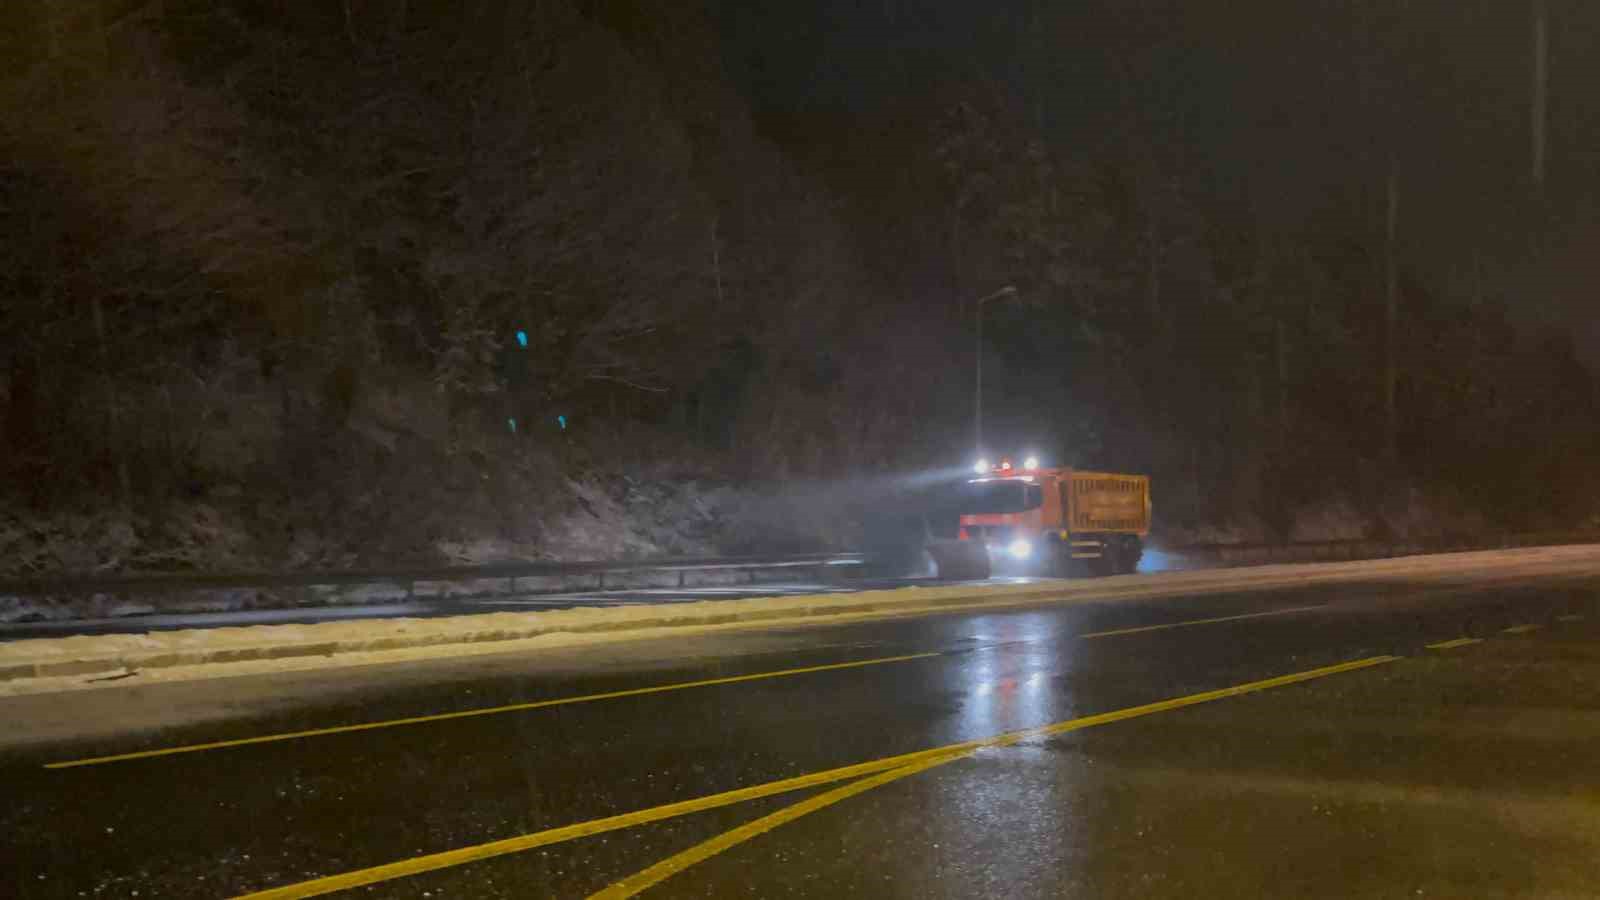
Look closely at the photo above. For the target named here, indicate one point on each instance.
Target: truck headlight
(1020, 549)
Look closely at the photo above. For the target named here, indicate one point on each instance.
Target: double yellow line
(883, 771)
(703, 851)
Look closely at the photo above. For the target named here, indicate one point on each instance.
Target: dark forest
(316, 283)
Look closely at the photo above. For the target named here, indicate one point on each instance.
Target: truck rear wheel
(1119, 555)
(1132, 551)
(1110, 561)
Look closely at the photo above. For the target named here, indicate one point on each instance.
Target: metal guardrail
(1316, 551)
(410, 578)
(510, 572)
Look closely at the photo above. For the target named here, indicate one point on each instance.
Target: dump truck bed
(1108, 502)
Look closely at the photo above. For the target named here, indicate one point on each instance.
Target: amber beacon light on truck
(1056, 520)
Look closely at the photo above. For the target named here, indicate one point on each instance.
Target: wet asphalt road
(1464, 771)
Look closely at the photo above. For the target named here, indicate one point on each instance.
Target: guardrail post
(411, 589)
(680, 579)
(600, 579)
(511, 585)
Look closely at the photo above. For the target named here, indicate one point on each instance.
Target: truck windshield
(991, 497)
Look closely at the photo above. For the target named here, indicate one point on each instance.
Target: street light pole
(977, 397)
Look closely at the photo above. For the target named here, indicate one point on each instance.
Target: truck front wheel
(1058, 559)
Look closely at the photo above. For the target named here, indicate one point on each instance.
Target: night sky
(1295, 107)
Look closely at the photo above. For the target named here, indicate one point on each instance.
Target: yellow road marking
(1522, 629)
(451, 858)
(1185, 624)
(1458, 642)
(701, 852)
(486, 711)
(432, 862)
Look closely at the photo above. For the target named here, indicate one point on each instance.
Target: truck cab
(1056, 521)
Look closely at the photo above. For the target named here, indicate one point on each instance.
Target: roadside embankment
(340, 643)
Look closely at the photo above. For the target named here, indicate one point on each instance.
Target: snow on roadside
(332, 642)
(23, 609)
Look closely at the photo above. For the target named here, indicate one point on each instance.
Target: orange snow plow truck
(1058, 522)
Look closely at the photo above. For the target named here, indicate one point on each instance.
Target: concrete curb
(106, 654)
